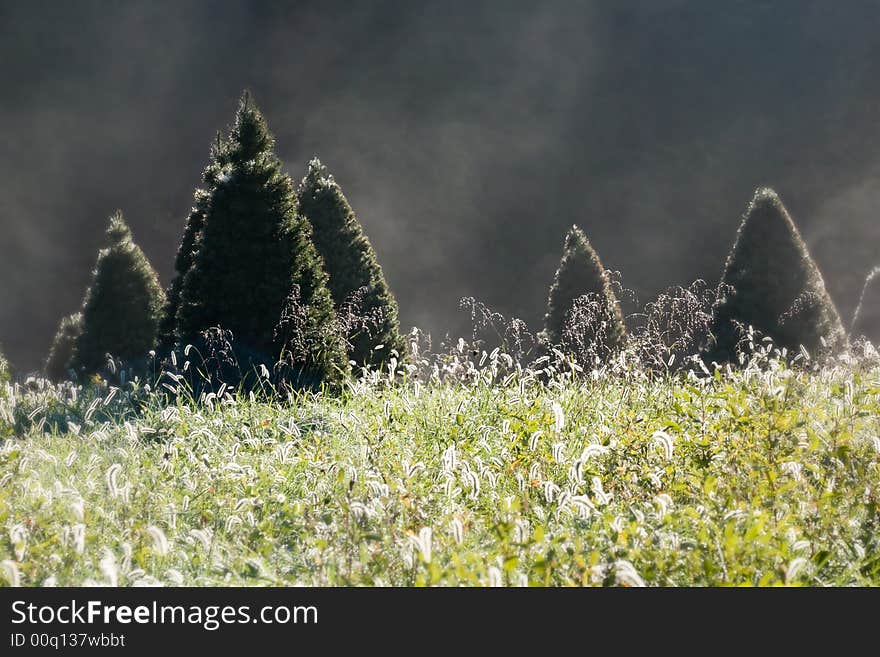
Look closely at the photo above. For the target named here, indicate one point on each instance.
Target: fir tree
(188, 244)
(60, 358)
(360, 293)
(121, 309)
(866, 319)
(582, 308)
(771, 283)
(255, 271)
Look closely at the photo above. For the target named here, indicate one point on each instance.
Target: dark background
(467, 135)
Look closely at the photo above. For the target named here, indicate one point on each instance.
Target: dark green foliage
(188, 244)
(360, 293)
(60, 357)
(583, 312)
(121, 310)
(771, 283)
(254, 272)
(182, 263)
(866, 320)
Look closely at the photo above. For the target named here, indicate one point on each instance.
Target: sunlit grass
(763, 476)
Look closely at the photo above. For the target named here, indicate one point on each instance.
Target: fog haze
(467, 136)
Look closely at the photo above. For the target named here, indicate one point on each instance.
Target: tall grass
(485, 461)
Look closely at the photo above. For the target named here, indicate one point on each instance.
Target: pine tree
(771, 283)
(255, 271)
(60, 358)
(866, 320)
(182, 264)
(582, 308)
(360, 293)
(121, 309)
(188, 244)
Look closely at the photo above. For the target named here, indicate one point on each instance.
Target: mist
(467, 136)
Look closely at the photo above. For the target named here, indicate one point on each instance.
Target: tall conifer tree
(121, 309)
(356, 281)
(581, 274)
(60, 356)
(255, 271)
(771, 283)
(188, 244)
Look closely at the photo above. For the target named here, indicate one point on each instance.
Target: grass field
(763, 476)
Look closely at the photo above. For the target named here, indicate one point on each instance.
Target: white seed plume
(601, 496)
(108, 567)
(457, 531)
(423, 542)
(792, 469)
(160, 542)
(126, 558)
(231, 523)
(449, 458)
(18, 536)
(495, 579)
(583, 504)
(11, 572)
(663, 502)
(77, 535)
(795, 567)
(533, 440)
(664, 440)
(593, 450)
(203, 536)
(625, 574)
(558, 418)
(174, 576)
(78, 506)
(112, 483)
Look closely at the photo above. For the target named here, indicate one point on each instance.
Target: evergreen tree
(360, 293)
(121, 309)
(188, 244)
(771, 283)
(582, 308)
(60, 357)
(182, 263)
(866, 320)
(4, 369)
(255, 271)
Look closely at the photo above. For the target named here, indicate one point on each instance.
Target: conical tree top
(249, 136)
(117, 230)
(120, 312)
(61, 353)
(580, 273)
(771, 283)
(253, 269)
(866, 319)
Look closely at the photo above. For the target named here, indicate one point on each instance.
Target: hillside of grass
(496, 476)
